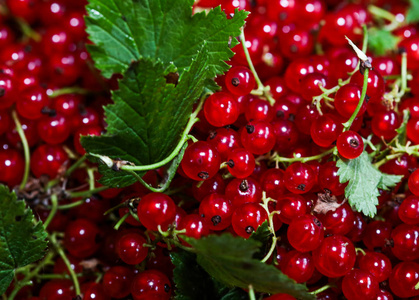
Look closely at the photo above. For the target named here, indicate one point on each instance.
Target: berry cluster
(265, 149)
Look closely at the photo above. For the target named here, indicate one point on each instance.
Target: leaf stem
(88, 192)
(261, 90)
(271, 249)
(26, 150)
(322, 289)
(348, 123)
(252, 295)
(27, 30)
(54, 207)
(71, 205)
(64, 257)
(121, 221)
(302, 159)
(185, 136)
(69, 90)
(74, 166)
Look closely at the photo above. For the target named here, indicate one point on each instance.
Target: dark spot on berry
(244, 185)
(402, 50)
(301, 187)
(389, 243)
(59, 71)
(367, 98)
(280, 114)
(283, 16)
(2, 92)
(317, 222)
(216, 220)
(353, 143)
(250, 129)
(78, 297)
(230, 163)
(48, 111)
(291, 117)
(203, 175)
(293, 48)
(167, 288)
(202, 215)
(235, 81)
(212, 134)
(200, 160)
(328, 234)
(18, 218)
(249, 229)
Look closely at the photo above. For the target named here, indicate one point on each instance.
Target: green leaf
(381, 41)
(125, 31)
(22, 241)
(230, 261)
(412, 15)
(192, 282)
(146, 121)
(263, 235)
(364, 182)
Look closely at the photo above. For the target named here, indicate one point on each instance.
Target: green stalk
(252, 295)
(54, 207)
(61, 253)
(26, 150)
(322, 289)
(261, 90)
(121, 221)
(88, 192)
(69, 90)
(75, 165)
(348, 123)
(185, 136)
(303, 159)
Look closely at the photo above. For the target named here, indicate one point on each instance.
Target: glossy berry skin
(298, 266)
(224, 140)
(340, 221)
(359, 284)
(241, 191)
(117, 281)
(403, 279)
(409, 210)
(240, 163)
(273, 183)
(12, 166)
(221, 109)
(156, 209)
(130, 248)
(299, 178)
(413, 182)
(375, 87)
(195, 225)
(310, 85)
(350, 144)
(216, 209)
(405, 244)
(305, 233)
(94, 291)
(82, 238)
(61, 289)
(31, 102)
(7, 91)
(377, 264)
(53, 130)
(151, 284)
(240, 80)
(201, 161)
(258, 137)
(384, 124)
(376, 234)
(213, 185)
(286, 134)
(335, 256)
(329, 179)
(48, 160)
(247, 218)
(89, 130)
(291, 206)
(259, 110)
(325, 130)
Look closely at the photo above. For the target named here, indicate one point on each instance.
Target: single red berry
(130, 248)
(216, 209)
(240, 80)
(359, 284)
(247, 218)
(201, 161)
(151, 284)
(221, 109)
(350, 144)
(156, 209)
(240, 163)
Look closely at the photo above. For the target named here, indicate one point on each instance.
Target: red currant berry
(299, 178)
(221, 109)
(409, 210)
(247, 218)
(151, 284)
(258, 137)
(305, 233)
(117, 281)
(404, 278)
(82, 238)
(240, 80)
(48, 160)
(377, 264)
(201, 161)
(359, 284)
(350, 144)
(240, 163)
(241, 191)
(130, 248)
(194, 225)
(216, 209)
(156, 209)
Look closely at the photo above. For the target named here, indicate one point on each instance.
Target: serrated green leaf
(148, 115)
(124, 31)
(412, 15)
(364, 180)
(22, 241)
(230, 261)
(381, 41)
(263, 235)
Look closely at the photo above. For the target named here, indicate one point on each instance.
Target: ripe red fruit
(156, 209)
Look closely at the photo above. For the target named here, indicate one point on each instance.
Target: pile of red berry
(296, 100)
